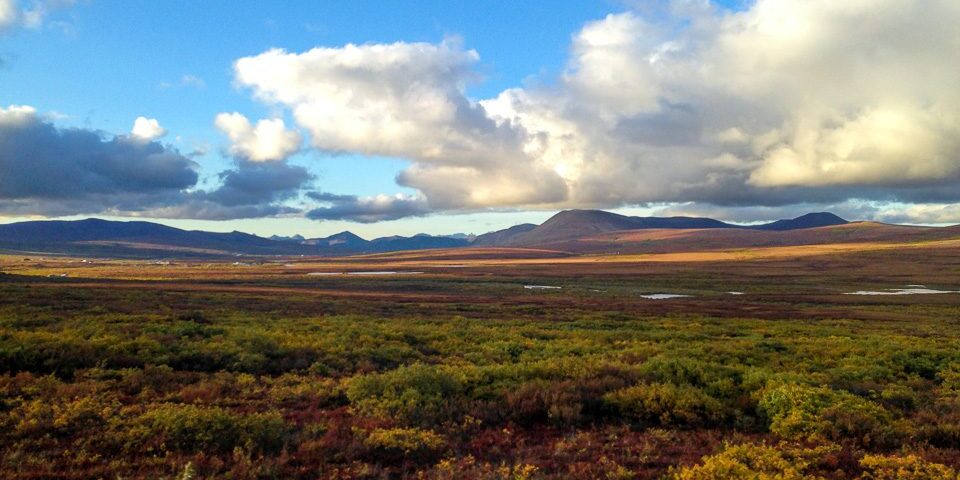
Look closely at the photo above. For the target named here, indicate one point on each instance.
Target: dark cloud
(51, 171)
(258, 183)
(367, 209)
(251, 190)
(331, 197)
(47, 169)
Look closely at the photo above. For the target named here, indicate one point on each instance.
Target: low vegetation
(170, 383)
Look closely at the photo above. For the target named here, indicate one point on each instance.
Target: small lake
(912, 290)
(664, 296)
(327, 274)
(384, 273)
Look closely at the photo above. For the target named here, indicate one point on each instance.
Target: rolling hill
(104, 238)
(503, 237)
(572, 231)
(810, 220)
(692, 240)
(573, 224)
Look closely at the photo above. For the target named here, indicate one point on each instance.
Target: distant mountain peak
(345, 240)
(572, 224)
(345, 235)
(291, 238)
(822, 216)
(809, 220)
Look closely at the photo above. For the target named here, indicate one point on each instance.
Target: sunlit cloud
(783, 103)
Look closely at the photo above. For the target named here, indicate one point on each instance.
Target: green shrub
(415, 394)
(900, 396)
(190, 428)
(667, 404)
(410, 443)
(801, 412)
(39, 417)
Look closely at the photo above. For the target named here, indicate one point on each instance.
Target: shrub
(667, 404)
(190, 428)
(409, 443)
(939, 424)
(801, 412)
(899, 396)
(292, 390)
(759, 462)
(58, 417)
(414, 394)
(715, 379)
(561, 403)
(910, 467)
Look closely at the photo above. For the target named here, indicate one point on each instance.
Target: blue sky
(99, 64)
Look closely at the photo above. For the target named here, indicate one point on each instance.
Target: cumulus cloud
(785, 102)
(268, 141)
(147, 129)
(406, 100)
(367, 209)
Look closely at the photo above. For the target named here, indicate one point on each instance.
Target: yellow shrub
(910, 467)
(407, 440)
(759, 462)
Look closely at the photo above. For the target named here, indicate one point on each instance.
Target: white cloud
(28, 14)
(17, 115)
(8, 13)
(924, 214)
(147, 129)
(186, 80)
(385, 99)
(268, 141)
(406, 100)
(788, 101)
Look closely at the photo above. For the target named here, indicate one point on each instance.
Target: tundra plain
(253, 368)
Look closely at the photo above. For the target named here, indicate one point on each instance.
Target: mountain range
(572, 230)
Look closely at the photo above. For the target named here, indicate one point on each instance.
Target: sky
(398, 117)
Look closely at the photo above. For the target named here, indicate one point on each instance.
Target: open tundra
(535, 362)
